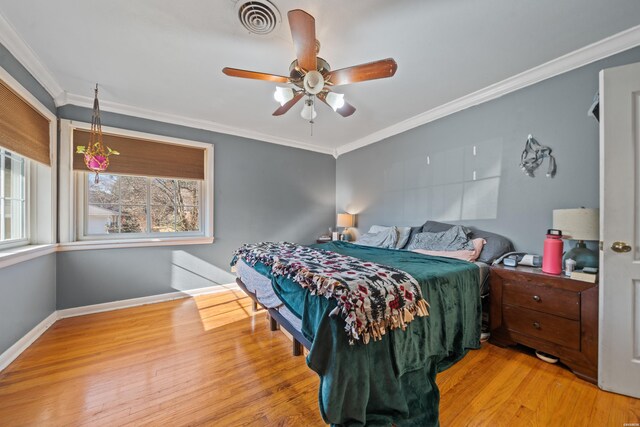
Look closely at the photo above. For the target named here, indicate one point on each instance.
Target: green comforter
(392, 380)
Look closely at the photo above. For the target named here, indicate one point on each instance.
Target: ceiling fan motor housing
(313, 82)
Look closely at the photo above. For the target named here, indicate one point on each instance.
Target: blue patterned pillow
(454, 239)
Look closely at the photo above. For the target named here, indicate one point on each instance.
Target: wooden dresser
(553, 314)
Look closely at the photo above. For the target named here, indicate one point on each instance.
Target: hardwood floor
(210, 361)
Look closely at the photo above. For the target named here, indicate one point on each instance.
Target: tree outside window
(121, 204)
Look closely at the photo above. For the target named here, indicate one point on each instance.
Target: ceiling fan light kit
(335, 100)
(312, 75)
(283, 94)
(308, 111)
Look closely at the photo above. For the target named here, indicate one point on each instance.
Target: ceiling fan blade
(286, 107)
(303, 32)
(363, 72)
(345, 111)
(235, 72)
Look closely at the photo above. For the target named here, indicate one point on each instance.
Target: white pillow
(403, 234)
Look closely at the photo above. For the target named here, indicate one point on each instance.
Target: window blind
(23, 130)
(145, 157)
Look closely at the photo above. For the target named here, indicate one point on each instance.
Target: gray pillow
(435, 227)
(414, 231)
(454, 239)
(495, 246)
(403, 234)
(384, 239)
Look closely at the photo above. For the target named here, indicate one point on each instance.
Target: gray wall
(262, 192)
(28, 289)
(391, 183)
(28, 294)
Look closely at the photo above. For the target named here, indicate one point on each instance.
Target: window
(28, 161)
(158, 191)
(13, 198)
(133, 206)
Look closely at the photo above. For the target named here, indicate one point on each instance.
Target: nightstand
(323, 241)
(553, 314)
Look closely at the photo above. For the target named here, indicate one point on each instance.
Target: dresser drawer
(541, 298)
(545, 326)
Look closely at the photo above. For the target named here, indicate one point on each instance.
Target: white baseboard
(23, 343)
(133, 302)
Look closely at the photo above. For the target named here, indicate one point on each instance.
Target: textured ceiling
(167, 56)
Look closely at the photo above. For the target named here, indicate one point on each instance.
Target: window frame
(40, 191)
(72, 201)
(83, 203)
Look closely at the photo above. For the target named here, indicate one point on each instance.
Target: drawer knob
(536, 298)
(536, 325)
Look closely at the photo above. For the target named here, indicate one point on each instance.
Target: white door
(619, 349)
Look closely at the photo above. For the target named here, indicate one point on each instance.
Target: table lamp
(345, 220)
(579, 224)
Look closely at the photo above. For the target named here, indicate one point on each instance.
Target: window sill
(20, 254)
(84, 245)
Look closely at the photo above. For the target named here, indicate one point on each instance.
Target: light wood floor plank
(210, 360)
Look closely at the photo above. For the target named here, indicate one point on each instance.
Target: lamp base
(583, 256)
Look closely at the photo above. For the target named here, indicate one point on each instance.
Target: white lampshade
(578, 224)
(335, 100)
(283, 94)
(308, 112)
(345, 220)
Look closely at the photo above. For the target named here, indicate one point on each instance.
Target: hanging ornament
(95, 157)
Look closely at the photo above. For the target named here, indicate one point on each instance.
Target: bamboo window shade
(23, 130)
(145, 157)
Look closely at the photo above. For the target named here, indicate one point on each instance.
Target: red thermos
(552, 256)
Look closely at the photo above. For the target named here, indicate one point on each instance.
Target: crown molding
(66, 98)
(27, 57)
(591, 53)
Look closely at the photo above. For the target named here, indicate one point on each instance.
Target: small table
(554, 314)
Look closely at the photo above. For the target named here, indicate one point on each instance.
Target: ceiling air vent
(258, 17)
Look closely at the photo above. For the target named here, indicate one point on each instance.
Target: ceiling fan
(311, 75)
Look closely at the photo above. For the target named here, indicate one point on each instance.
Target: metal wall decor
(533, 155)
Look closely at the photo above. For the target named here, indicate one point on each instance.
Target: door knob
(620, 247)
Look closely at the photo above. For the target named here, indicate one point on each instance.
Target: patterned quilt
(372, 298)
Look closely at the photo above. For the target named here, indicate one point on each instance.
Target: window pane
(13, 177)
(163, 191)
(188, 219)
(14, 215)
(163, 219)
(133, 190)
(133, 219)
(188, 193)
(105, 191)
(103, 219)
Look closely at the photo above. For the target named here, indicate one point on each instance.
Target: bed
(390, 381)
